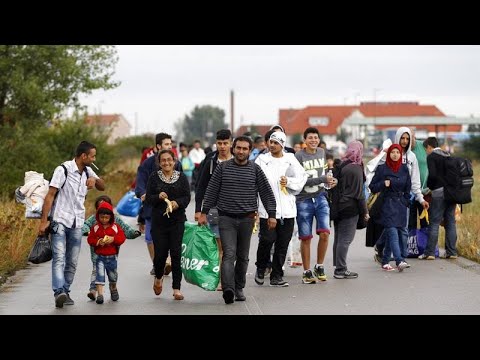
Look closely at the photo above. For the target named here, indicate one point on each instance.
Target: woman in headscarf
(393, 178)
(351, 206)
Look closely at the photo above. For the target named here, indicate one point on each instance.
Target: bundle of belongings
(32, 194)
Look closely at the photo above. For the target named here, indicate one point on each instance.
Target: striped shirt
(69, 208)
(234, 189)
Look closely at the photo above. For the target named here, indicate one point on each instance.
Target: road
(428, 287)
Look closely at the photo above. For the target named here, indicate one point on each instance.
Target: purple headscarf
(354, 152)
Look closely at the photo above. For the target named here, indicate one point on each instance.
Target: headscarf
(394, 165)
(354, 153)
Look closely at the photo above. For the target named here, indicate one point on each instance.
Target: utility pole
(231, 111)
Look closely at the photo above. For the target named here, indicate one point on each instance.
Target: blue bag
(129, 204)
(417, 242)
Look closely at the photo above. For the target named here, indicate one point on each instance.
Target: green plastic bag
(200, 261)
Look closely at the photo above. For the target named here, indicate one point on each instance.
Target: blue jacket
(396, 197)
(143, 173)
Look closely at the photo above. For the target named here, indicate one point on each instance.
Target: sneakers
(60, 300)
(228, 296)
(408, 265)
(69, 301)
(401, 266)
(259, 277)
(387, 267)
(278, 282)
(426, 257)
(346, 275)
(114, 293)
(452, 257)
(152, 272)
(239, 296)
(168, 269)
(308, 278)
(319, 273)
(99, 299)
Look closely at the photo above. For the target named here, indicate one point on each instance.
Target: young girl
(393, 178)
(106, 237)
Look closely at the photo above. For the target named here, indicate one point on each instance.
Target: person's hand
(143, 197)
(283, 181)
(107, 240)
(202, 220)
(90, 183)
(367, 216)
(387, 183)
(163, 196)
(42, 229)
(271, 223)
(174, 205)
(141, 228)
(425, 205)
(197, 215)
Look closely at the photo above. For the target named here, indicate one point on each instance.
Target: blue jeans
(106, 263)
(393, 236)
(93, 275)
(440, 209)
(66, 249)
(308, 209)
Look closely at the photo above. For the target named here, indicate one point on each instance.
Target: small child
(130, 233)
(106, 237)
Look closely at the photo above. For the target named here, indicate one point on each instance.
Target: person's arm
(266, 193)
(184, 197)
(88, 224)
(213, 189)
(119, 237)
(130, 232)
(415, 178)
(47, 206)
(142, 179)
(377, 184)
(298, 177)
(201, 186)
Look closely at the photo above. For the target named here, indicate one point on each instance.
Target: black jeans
(280, 236)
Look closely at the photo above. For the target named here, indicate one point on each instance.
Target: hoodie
(274, 168)
(436, 171)
(98, 231)
(409, 158)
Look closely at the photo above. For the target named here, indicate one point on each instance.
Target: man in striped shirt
(233, 189)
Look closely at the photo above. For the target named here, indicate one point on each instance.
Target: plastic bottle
(329, 176)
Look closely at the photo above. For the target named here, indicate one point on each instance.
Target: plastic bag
(41, 251)
(417, 242)
(129, 204)
(294, 255)
(200, 260)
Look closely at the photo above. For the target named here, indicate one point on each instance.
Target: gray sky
(163, 83)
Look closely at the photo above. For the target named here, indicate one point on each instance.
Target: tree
(202, 123)
(38, 81)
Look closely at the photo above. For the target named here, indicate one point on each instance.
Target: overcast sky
(162, 83)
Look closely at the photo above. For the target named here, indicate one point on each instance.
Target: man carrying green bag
(200, 261)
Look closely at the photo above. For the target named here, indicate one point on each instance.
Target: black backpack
(458, 180)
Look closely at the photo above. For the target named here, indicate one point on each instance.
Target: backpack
(458, 178)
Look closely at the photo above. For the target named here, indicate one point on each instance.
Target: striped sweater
(233, 189)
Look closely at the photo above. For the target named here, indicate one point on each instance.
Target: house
(253, 129)
(116, 124)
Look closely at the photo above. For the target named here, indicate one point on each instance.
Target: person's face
(312, 140)
(223, 147)
(395, 155)
(104, 219)
(429, 149)
(89, 158)
(297, 147)
(330, 162)
(404, 141)
(241, 151)
(261, 145)
(166, 144)
(166, 162)
(274, 147)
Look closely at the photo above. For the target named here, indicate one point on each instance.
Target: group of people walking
(277, 187)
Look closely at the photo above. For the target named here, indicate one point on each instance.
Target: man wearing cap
(286, 177)
(312, 203)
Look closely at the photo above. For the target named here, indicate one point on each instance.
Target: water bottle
(329, 177)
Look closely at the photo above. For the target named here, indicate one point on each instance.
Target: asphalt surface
(442, 287)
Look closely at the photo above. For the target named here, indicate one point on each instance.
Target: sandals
(178, 296)
(157, 286)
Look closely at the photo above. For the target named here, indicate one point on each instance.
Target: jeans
(66, 249)
(345, 230)
(235, 235)
(93, 275)
(440, 209)
(308, 209)
(393, 237)
(106, 263)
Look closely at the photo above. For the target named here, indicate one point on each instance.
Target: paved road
(428, 287)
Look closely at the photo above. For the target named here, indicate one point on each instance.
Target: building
(115, 124)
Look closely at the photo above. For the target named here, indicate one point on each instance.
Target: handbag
(376, 205)
(129, 204)
(41, 251)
